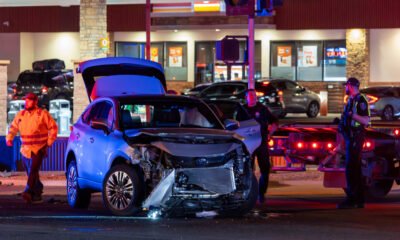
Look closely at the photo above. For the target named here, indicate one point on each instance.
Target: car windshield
(167, 114)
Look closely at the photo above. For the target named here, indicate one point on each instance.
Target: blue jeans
(32, 165)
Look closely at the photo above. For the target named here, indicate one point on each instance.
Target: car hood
(122, 76)
(187, 142)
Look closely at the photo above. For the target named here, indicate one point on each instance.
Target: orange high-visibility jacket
(37, 129)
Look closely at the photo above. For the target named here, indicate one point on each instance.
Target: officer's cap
(352, 81)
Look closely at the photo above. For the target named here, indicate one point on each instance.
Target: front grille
(194, 162)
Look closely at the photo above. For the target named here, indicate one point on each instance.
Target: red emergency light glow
(45, 90)
(299, 145)
(314, 145)
(368, 145)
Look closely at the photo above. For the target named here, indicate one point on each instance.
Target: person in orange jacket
(38, 131)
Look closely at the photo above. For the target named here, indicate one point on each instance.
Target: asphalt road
(298, 207)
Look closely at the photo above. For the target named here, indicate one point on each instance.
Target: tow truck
(300, 144)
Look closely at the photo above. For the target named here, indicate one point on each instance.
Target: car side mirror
(231, 124)
(100, 125)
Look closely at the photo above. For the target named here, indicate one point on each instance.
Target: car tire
(313, 110)
(123, 190)
(77, 197)
(379, 188)
(249, 203)
(388, 113)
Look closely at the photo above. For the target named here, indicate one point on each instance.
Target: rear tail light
(14, 90)
(45, 90)
(299, 145)
(372, 99)
(369, 145)
(329, 145)
(396, 132)
(260, 94)
(265, 83)
(314, 145)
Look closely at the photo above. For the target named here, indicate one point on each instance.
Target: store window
(171, 55)
(208, 69)
(283, 60)
(309, 60)
(335, 53)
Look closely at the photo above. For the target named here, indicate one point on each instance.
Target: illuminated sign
(104, 44)
(339, 52)
(206, 6)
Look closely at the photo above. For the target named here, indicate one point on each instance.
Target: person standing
(354, 120)
(38, 131)
(268, 125)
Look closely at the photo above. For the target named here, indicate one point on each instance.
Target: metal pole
(251, 46)
(148, 28)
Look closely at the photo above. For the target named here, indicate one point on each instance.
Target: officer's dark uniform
(264, 117)
(354, 135)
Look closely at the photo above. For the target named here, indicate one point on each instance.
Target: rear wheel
(379, 188)
(77, 197)
(313, 110)
(388, 113)
(123, 190)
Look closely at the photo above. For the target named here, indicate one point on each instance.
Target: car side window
(212, 91)
(86, 114)
(292, 86)
(101, 112)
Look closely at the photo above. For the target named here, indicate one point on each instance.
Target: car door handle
(91, 140)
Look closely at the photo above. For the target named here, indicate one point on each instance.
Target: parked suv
(280, 95)
(146, 150)
(383, 101)
(46, 82)
(236, 90)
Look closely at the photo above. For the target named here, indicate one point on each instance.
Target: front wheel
(123, 190)
(77, 197)
(313, 110)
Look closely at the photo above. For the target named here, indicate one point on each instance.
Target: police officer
(354, 119)
(264, 117)
(38, 131)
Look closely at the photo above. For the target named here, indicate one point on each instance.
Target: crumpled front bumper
(192, 184)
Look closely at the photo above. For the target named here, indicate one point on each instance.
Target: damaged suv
(143, 149)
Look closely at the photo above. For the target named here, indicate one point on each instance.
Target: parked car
(384, 102)
(236, 90)
(48, 84)
(143, 149)
(196, 90)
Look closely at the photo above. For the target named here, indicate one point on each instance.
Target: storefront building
(318, 42)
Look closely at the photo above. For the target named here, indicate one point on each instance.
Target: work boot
(37, 199)
(347, 205)
(27, 197)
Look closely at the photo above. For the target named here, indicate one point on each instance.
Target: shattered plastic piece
(206, 214)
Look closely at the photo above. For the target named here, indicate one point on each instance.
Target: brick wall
(358, 63)
(3, 95)
(92, 27)
(335, 93)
